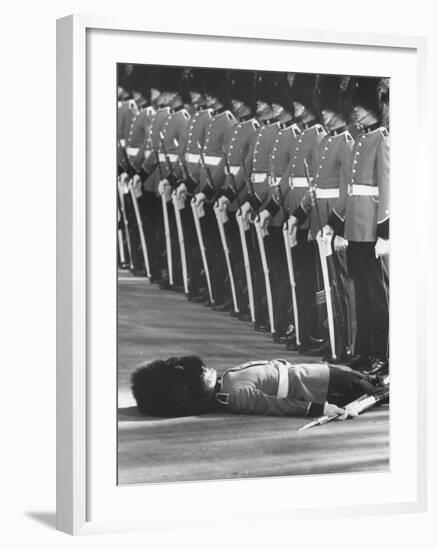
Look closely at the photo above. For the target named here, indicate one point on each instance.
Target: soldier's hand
(137, 186)
(199, 199)
(265, 216)
(165, 189)
(325, 234)
(181, 192)
(332, 410)
(124, 183)
(223, 202)
(340, 243)
(382, 247)
(352, 409)
(246, 212)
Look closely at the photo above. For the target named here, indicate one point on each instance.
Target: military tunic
(196, 134)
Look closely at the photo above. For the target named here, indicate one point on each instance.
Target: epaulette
(150, 110)
(320, 130)
(384, 132)
(348, 137)
(132, 105)
(255, 124)
(185, 114)
(230, 116)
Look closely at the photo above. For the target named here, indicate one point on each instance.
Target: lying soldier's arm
(248, 400)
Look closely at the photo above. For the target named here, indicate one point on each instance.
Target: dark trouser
(371, 285)
(137, 259)
(258, 277)
(346, 385)
(151, 214)
(279, 279)
(306, 277)
(237, 262)
(214, 253)
(341, 301)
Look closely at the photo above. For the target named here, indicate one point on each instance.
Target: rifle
(289, 260)
(177, 206)
(324, 251)
(202, 247)
(171, 178)
(243, 241)
(188, 180)
(262, 254)
(125, 220)
(166, 225)
(365, 402)
(140, 228)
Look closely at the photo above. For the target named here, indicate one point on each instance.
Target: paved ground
(153, 323)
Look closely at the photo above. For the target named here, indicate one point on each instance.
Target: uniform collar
(288, 124)
(338, 131)
(176, 109)
(245, 118)
(218, 111)
(269, 121)
(369, 129)
(310, 124)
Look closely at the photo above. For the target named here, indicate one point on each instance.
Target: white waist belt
(171, 156)
(364, 190)
(234, 170)
(132, 151)
(192, 157)
(212, 161)
(332, 193)
(258, 178)
(283, 379)
(300, 182)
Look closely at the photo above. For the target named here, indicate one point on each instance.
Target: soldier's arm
(337, 216)
(248, 400)
(382, 169)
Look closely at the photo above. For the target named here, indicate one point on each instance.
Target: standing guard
(332, 166)
(361, 216)
(306, 111)
(217, 137)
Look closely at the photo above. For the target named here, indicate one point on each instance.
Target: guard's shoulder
(348, 137)
(384, 132)
(255, 124)
(295, 129)
(320, 130)
(230, 116)
(185, 114)
(150, 110)
(223, 398)
(132, 105)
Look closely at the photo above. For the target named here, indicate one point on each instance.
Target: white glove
(325, 234)
(165, 189)
(199, 199)
(124, 183)
(332, 410)
(246, 212)
(181, 192)
(265, 216)
(292, 226)
(340, 243)
(382, 247)
(137, 186)
(353, 409)
(223, 202)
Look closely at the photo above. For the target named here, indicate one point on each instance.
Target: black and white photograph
(253, 273)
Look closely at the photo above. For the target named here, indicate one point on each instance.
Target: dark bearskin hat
(170, 79)
(242, 87)
(335, 95)
(216, 83)
(366, 94)
(194, 80)
(304, 91)
(264, 87)
(170, 388)
(282, 92)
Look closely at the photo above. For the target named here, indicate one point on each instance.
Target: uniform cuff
(316, 409)
(253, 201)
(191, 185)
(335, 222)
(143, 174)
(272, 207)
(208, 192)
(229, 193)
(383, 229)
(300, 214)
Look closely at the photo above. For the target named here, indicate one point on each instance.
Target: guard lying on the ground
(183, 386)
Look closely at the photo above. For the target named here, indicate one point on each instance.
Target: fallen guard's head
(178, 386)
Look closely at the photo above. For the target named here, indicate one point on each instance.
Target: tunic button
(354, 171)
